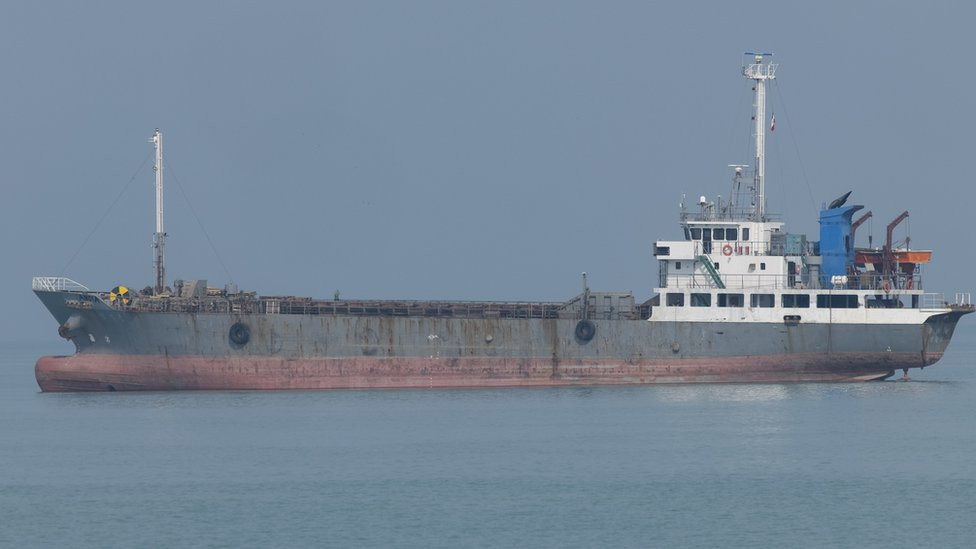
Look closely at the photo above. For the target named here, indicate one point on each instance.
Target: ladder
(704, 260)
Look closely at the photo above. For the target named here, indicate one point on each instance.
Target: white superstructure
(736, 263)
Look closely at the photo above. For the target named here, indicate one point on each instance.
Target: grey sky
(459, 150)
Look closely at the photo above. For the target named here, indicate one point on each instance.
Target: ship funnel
(836, 242)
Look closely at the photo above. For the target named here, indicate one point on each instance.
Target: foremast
(159, 237)
(759, 73)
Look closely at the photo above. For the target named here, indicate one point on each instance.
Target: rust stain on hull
(90, 372)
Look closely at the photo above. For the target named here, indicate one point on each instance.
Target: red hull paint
(91, 372)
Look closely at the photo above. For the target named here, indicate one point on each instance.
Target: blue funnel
(836, 246)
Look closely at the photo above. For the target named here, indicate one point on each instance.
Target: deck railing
(302, 306)
(933, 301)
(938, 301)
(56, 284)
(866, 281)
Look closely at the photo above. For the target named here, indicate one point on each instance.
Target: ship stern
(937, 331)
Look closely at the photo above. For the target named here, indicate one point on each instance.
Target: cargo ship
(739, 299)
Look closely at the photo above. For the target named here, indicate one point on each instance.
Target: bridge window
(762, 300)
(745, 233)
(731, 300)
(718, 234)
(676, 300)
(701, 300)
(836, 301)
(696, 233)
(799, 301)
(731, 234)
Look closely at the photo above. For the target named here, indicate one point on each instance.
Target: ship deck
(289, 305)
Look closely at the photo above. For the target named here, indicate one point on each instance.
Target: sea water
(884, 464)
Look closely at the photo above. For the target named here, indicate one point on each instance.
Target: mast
(759, 73)
(159, 237)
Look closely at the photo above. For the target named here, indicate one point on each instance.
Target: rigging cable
(779, 170)
(796, 147)
(734, 125)
(199, 222)
(105, 215)
(908, 233)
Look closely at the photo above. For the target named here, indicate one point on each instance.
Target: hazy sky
(459, 150)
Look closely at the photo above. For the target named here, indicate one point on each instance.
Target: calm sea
(885, 464)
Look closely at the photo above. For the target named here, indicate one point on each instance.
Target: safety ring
(886, 286)
(727, 250)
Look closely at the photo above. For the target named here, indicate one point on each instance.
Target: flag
(772, 124)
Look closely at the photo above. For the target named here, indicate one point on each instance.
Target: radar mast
(759, 73)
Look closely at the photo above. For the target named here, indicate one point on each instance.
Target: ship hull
(138, 350)
(94, 372)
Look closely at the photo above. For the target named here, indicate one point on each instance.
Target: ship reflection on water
(722, 393)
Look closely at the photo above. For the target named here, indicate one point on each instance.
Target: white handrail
(56, 284)
(933, 301)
